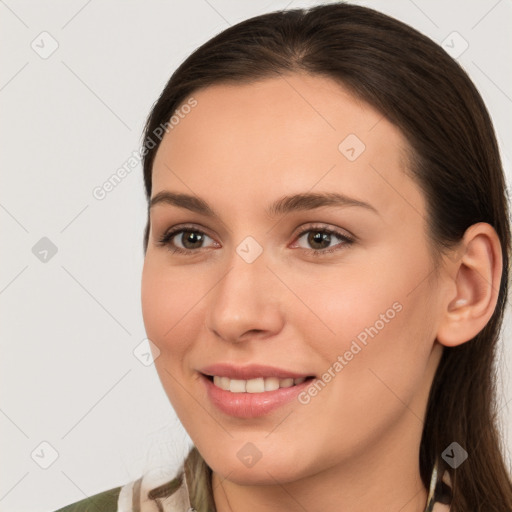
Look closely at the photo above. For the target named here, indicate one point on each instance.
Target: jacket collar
(133, 496)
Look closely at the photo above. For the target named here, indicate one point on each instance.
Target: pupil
(191, 239)
(319, 237)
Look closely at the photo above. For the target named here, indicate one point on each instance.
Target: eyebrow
(286, 204)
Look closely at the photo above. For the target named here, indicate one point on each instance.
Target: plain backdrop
(81, 411)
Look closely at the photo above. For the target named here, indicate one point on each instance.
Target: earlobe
(476, 276)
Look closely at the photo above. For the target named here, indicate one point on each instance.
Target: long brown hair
(454, 160)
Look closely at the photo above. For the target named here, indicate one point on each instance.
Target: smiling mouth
(256, 385)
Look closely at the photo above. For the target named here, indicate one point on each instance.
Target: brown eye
(318, 241)
(190, 239)
(185, 240)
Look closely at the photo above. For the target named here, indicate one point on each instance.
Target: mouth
(255, 385)
(252, 391)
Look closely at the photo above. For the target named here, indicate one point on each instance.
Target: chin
(265, 471)
(263, 475)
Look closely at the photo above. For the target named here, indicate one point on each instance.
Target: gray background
(70, 324)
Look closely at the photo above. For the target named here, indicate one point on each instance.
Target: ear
(476, 277)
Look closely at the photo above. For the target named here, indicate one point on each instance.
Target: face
(255, 291)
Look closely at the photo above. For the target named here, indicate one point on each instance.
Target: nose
(246, 303)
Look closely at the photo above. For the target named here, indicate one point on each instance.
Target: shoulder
(105, 501)
(154, 491)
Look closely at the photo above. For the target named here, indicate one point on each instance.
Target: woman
(326, 271)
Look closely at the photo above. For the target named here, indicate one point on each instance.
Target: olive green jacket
(133, 497)
(103, 502)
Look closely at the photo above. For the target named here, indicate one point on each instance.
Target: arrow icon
(44, 44)
(249, 249)
(454, 455)
(44, 250)
(351, 147)
(40, 455)
(44, 455)
(249, 455)
(454, 44)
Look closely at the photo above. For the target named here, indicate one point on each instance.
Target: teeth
(255, 385)
(258, 385)
(286, 383)
(224, 383)
(237, 386)
(271, 383)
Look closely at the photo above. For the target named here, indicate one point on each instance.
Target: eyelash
(165, 240)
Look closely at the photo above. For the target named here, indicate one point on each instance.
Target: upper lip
(251, 371)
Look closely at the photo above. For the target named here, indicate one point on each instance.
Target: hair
(453, 158)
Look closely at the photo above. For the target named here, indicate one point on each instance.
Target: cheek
(169, 304)
(343, 305)
(168, 298)
(371, 324)
(374, 363)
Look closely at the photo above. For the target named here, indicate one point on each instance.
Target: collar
(133, 496)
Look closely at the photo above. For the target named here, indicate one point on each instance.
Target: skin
(354, 446)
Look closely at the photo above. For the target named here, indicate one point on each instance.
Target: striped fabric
(133, 497)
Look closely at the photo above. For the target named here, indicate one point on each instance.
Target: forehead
(295, 132)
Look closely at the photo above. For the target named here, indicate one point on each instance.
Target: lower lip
(251, 405)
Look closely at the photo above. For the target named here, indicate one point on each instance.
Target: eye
(321, 238)
(188, 240)
(184, 239)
